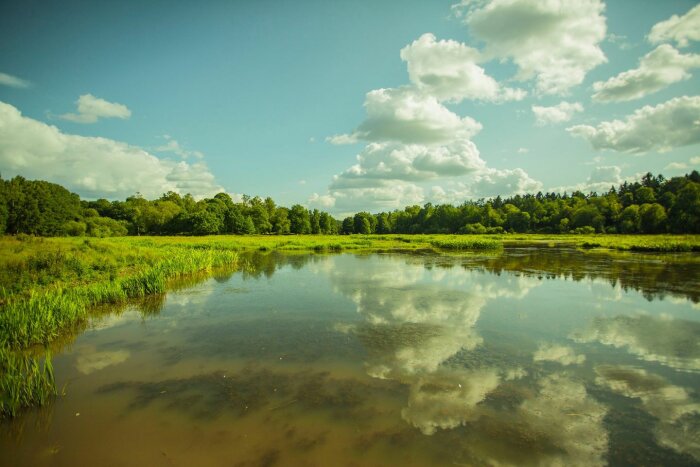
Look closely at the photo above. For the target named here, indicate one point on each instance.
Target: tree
(362, 223)
(653, 218)
(299, 220)
(280, 221)
(630, 220)
(205, 222)
(348, 226)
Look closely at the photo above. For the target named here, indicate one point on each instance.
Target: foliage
(652, 205)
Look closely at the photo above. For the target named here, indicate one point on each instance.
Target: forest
(651, 205)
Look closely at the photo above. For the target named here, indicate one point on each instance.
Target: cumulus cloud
(601, 179)
(448, 70)
(555, 42)
(657, 69)
(562, 112)
(91, 109)
(691, 164)
(677, 413)
(412, 162)
(680, 29)
(382, 196)
(364, 188)
(493, 182)
(407, 116)
(91, 166)
(173, 146)
(672, 124)
(561, 354)
(668, 341)
(13, 81)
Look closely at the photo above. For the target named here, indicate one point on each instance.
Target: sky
(348, 105)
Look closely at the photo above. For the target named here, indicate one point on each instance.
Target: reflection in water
(656, 276)
(448, 398)
(678, 415)
(387, 359)
(91, 359)
(562, 354)
(669, 341)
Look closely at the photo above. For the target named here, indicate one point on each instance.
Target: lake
(532, 356)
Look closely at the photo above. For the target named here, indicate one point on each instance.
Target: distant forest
(651, 205)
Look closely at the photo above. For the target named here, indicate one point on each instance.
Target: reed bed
(25, 381)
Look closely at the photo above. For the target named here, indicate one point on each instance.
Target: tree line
(653, 204)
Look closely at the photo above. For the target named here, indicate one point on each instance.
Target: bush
(476, 228)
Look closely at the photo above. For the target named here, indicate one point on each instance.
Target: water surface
(529, 357)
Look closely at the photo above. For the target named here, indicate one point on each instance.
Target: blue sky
(501, 96)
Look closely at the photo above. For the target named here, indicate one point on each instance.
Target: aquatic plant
(41, 314)
(467, 244)
(25, 381)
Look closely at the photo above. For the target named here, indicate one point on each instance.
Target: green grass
(24, 382)
(466, 243)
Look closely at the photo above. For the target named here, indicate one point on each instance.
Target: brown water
(530, 357)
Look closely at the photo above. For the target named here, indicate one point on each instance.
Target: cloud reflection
(679, 415)
(671, 342)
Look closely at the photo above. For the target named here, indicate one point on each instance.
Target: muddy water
(530, 357)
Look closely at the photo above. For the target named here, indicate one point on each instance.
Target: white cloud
(343, 139)
(381, 179)
(493, 182)
(410, 162)
(322, 201)
(561, 354)
(447, 70)
(382, 197)
(523, 150)
(13, 81)
(562, 112)
(91, 109)
(174, 147)
(676, 166)
(621, 41)
(601, 179)
(407, 116)
(668, 125)
(555, 42)
(93, 167)
(681, 29)
(657, 69)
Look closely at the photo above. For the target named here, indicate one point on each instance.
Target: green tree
(652, 218)
(299, 220)
(348, 226)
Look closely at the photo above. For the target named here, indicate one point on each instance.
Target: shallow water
(529, 357)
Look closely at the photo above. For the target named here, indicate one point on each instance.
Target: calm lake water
(529, 357)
